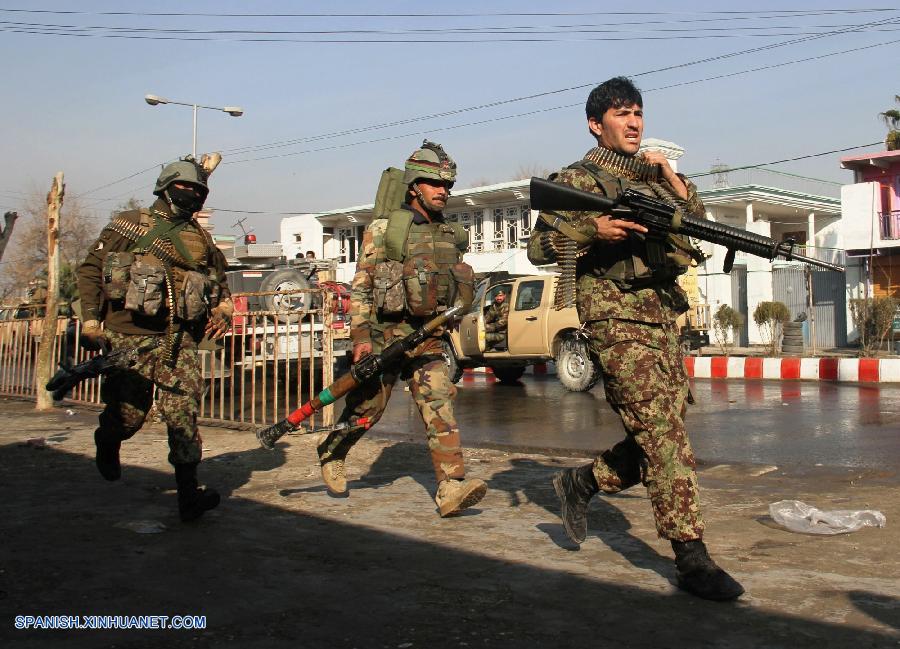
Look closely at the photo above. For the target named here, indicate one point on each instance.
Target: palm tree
(892, 121)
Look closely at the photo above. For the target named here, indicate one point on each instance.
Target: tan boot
(456, 495)
(333, 473)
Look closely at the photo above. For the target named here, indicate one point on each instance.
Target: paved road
(767, 422)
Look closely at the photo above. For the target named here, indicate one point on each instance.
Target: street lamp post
(234, 111)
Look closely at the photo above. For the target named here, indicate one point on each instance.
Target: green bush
(769, 317)
(873, 318)
(725, 321)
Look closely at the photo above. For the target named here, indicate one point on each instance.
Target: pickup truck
(536, 333)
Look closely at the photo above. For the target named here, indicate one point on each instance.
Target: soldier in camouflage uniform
(628, 299)
(157, 281)
(496, 317)
(410, 268)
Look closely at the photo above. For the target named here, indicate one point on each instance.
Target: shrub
(769, 317)
(873, 318)
(726, 322)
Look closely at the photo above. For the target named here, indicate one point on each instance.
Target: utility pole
(44, 368)
(10, 221)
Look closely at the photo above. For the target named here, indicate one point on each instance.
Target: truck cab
(536, 333)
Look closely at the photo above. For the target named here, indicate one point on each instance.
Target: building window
(298, 237)
(347, 242)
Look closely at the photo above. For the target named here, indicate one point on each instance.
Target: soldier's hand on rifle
(360, 350)
(219, 322)
(93, 338)
(612, 230)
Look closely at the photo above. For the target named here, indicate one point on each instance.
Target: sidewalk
(281, 564)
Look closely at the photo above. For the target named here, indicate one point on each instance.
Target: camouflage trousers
(646, 384)
(128, 395)
(427, 375)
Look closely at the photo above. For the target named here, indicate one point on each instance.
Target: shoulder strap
(396, 234)
(612, 185)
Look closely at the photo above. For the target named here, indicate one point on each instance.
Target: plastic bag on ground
(799, 517)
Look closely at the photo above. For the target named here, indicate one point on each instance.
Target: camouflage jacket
(598, 298)
(94, 306)
(364, 317)
(496, 317)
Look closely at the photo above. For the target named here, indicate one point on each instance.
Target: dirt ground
(282, 564)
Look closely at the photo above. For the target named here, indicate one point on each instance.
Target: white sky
(74, 103)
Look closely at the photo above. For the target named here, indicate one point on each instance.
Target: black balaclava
(185, 202)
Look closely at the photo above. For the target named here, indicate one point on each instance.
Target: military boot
(700, 576)
(108, 457)
(575, 488)
(332, 465)
(453, 496)
(192, 500)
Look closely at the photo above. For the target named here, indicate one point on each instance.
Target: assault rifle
(364, 369)
(659, 219)
(68, 376)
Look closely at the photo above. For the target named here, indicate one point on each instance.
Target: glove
(219, 320)
(93, 338)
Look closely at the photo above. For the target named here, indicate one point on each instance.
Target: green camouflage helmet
(185, 170)
(429, 161)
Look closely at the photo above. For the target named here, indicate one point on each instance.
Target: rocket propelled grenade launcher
(661, 219)
(366, 368)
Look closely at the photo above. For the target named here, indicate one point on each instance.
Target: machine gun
(68, 376)
(662, 219)
(364, 369)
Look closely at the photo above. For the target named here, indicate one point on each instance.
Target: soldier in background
(157, 281)
(496, 317)
(628, 299)
(410, 268)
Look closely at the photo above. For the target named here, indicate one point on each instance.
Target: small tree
(725, 322)
(873, 317)
(892, 121)
(770, 317)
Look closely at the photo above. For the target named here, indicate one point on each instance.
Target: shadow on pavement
(267, 575)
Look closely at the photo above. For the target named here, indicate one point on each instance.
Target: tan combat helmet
(429, 161)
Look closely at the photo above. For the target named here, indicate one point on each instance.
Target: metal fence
(266, 365)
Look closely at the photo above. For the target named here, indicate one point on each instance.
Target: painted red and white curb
(851, 370)
(841, 370)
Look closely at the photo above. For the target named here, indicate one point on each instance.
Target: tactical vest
(639, 261)
(171, 258)
(418, 270)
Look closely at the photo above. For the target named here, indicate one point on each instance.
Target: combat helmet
(186, 170)
(429, 161)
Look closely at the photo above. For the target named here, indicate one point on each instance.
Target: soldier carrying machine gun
(662, 219)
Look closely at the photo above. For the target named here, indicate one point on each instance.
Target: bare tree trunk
(10, 218)
(48, 336)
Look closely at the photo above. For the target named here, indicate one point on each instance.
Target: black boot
(575, 488)
(700, 576)
(108, 457)
(192, 501)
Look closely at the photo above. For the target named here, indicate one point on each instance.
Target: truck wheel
(453, 369)
(576, 368)
(289, 308)
(508, 374)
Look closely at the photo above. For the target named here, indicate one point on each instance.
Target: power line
(325, 136)
(778, 162)
(424, 15)
(283, 144)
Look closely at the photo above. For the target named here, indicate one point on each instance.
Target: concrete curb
(840, 370)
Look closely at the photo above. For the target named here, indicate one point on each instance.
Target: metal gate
(739, 303)
(266, 366)
(828, 319)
